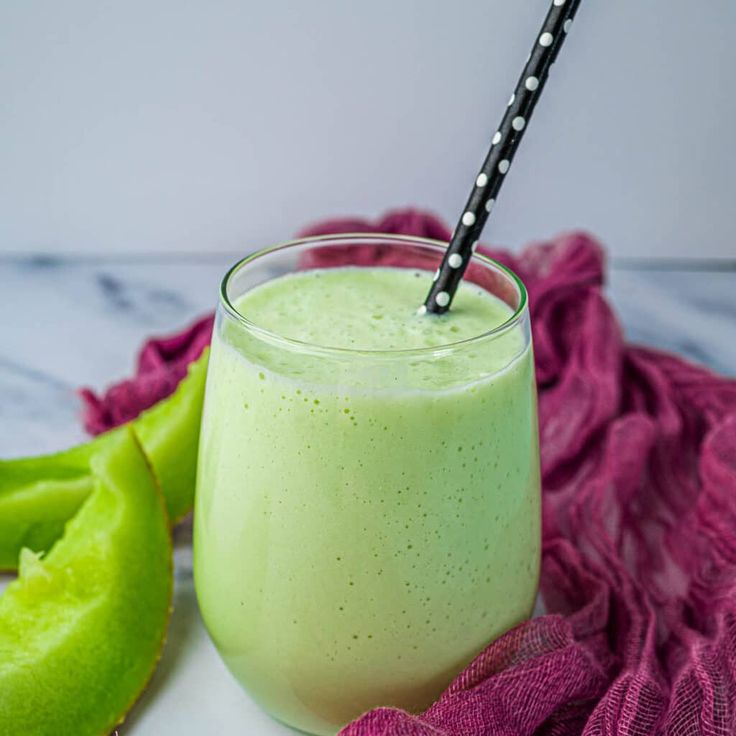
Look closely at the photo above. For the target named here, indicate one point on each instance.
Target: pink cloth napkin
(639, 554)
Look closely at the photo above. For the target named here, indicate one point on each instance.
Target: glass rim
(395, 238)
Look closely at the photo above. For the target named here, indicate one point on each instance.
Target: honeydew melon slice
(38, 495)
(81, 629)
(169, 433)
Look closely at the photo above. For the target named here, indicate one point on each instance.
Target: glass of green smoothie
(368, 499)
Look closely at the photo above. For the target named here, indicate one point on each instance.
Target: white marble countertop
(71, 321)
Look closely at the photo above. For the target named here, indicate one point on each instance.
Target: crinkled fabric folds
(639, 556)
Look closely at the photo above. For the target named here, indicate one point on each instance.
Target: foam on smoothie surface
(367, 309)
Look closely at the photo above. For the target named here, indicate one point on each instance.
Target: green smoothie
(368, 511)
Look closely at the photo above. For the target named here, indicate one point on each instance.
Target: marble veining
(692, 313)
(68, 322)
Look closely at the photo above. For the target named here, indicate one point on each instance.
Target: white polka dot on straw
(469, 219)
(558, 3)
(489, 204)
(567, 25)
(443, 299)
(531, 83)
(546, 39)
(455, 260)
(511, 99)
(503, 166)
(482, 180)
(496, 138)
(518, 123)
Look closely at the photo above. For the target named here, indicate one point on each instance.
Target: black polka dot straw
(500, 155)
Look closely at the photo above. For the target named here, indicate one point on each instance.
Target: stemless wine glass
(366, 521)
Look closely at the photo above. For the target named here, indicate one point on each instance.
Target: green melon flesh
(38, 495)
(169, 433)
(81, 629)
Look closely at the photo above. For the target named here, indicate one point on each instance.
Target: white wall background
(167, 125)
